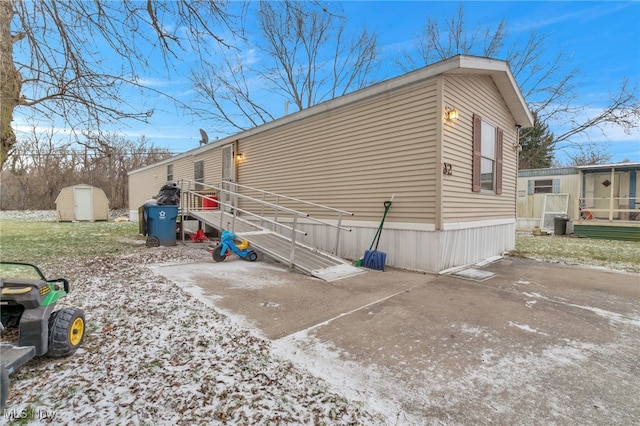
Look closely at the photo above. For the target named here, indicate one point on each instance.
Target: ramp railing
(275, 200)
(261, 208)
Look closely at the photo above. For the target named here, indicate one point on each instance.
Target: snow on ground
(153, 355)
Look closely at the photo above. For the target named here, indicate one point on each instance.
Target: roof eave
(506, 83)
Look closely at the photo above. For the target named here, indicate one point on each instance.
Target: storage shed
(443, 139)
(82, 202)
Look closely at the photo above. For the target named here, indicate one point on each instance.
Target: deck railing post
(338, 232)
(293, 241)
(233, 220)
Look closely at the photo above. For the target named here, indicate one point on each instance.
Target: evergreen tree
(537, 146)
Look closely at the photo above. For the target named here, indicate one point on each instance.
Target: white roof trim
(497, 69)
(609, 166)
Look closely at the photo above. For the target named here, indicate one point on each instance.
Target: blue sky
(602, 39)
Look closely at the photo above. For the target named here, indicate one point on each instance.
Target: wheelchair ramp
(304, 258)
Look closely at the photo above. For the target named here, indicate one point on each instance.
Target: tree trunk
(10, 81)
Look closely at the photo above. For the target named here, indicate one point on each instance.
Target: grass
(610, 254)
(38, 241)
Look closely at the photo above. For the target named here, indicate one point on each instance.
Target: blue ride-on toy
(228, 246)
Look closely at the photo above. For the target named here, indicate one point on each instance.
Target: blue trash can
(161, 225)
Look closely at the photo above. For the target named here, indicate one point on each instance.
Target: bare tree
(37, 171)
(589, 155)
(548, 85)
(42, 166)
(73, 59)
(109, 157)
(307, 58)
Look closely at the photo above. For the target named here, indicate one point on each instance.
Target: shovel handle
(387, 205)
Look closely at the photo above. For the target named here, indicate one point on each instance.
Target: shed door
(83, 203)
(228, 176)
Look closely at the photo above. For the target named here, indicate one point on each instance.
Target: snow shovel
(374, 259)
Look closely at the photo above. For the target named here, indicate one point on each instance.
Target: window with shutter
(487, 157)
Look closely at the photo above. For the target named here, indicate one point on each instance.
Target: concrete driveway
(536, 343)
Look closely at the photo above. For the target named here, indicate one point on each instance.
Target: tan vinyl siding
(65, 205)
(479, 95)
(100, 205)
(145, 184)
(355, 157)
(212, 167)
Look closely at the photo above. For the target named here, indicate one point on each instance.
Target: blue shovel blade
(374, 259)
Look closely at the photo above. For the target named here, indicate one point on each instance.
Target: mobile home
(441, 140)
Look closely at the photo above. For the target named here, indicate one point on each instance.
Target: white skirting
(420, 249)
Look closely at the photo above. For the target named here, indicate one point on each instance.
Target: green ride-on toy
(27, 303)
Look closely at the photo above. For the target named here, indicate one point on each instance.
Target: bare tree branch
(307, 59)
(61, 55)
(548, 85)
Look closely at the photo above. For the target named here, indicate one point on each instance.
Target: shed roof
(498, 70)
(81, 185)
(552, 171)
(608, 167)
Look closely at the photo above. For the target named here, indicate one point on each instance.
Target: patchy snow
(376, 388)
(526, 328)
(155, 354)
(611, 316)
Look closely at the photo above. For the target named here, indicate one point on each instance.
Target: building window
(487, 157)
(543, 186)
(169, 172)
(198, 174)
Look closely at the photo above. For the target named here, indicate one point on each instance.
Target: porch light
(240, 157)
(451, 114)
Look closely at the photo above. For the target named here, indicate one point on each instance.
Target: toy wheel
(217, 254)
(66, 332)
(4, 386)
(252, 256)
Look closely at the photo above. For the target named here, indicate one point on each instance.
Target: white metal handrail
(238, 209)
(277, 207)
(235, 209)
(340, 212)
